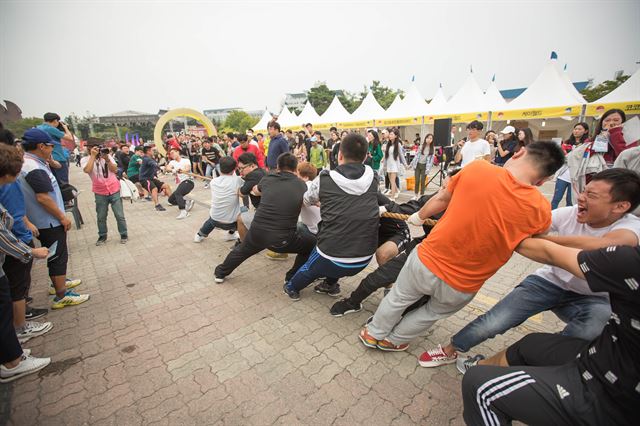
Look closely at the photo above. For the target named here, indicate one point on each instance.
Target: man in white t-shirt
(180, 167)
(225, 204)
(475, 147)
(600, 219)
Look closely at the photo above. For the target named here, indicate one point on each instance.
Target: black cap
(51, 116)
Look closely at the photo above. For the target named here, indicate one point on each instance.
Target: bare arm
(67, 134)
(619, 237)
(435, 205)
(544, 251)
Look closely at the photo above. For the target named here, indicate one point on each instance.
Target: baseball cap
(50, 116)
(508, 129)
(313, 139)
(33, 137)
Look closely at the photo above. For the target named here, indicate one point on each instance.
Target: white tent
(625, 97)
(492, 97)
(469, 98)
(549, 89)
(413, 104)
(308, 115)
(627, 91)
(438, 103)
(335, 113)
(368, 110)
(264, 120)
(395, 109)
(287, 118)
(572, 89)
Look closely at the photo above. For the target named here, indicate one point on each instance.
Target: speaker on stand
(443, 147)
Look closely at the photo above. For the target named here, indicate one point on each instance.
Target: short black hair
(287, 162)
(475, 124)
(289, 131)
(230, 135)
(625, 185)
(354, 148)
(333, 129)
(146, 149)
(317, 132)
(50, 117)
(242, 138)
(259, 134)
(138, 148)
(273, 125)
(308, 124)
(227, 165)
(6, 137)
(250, 130)
(247, 158)
(547, 156)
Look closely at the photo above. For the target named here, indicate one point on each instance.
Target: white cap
(508, 129)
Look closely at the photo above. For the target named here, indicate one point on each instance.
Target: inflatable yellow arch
(180, 112)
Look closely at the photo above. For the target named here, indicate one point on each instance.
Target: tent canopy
(368, 110)
(493, 99)
(625, 97)
(308, 115)
(438, 102)
(286, 118)
(469, 98)
(335, 113)
(264, 120)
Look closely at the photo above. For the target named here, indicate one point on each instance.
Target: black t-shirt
(251, 180)
(212, 154)
(123, 160)
(39, 181)
(510, 146)
(280, 204)
(613, 358)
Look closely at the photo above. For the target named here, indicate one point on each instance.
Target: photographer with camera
(58, 131)
(102, 170)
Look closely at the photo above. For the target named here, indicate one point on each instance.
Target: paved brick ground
(160, 343)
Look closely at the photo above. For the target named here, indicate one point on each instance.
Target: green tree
(320, 97)
(19, 127)
(594, 93)
(383, 94)
(350, 101)
(240, 121)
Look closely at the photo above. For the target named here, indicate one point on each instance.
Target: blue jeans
(558, 192)
(102, 209)
(318, 267)
(585, 316)
(210, 169)
(61, 174)
(210, 224)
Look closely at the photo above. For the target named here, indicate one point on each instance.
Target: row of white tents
(551, 95)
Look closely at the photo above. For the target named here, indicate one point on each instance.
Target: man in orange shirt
(489, 211)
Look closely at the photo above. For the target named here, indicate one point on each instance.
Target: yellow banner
(408, 121)
(534, 113)
(459, 118)
(355, 124)
(632, 107)
(324, 126)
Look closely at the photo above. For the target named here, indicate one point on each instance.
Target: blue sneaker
(291, 292)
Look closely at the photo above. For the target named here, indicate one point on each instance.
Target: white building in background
(221, 114)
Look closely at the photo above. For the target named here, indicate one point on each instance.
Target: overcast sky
(110, 56)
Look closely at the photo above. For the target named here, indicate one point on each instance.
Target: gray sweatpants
(415, 280)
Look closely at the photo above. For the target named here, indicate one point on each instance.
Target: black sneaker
(101, 241)
(123, 240)
(293, 294)
(28, 299)
(332, 290)
(148, 198)
(344, 307)
(159, 208)
(35, 313)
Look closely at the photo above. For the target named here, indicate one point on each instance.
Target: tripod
(440, 174)
(446, 154)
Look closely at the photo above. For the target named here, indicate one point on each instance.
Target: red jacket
(616, 145)
(252, 149)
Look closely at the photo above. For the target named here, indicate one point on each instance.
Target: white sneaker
(190, 204)
(198, 238)
(33, 329)
(386, 191)
(183, 214)
(206, 186)
(231, 237)
(27, 365)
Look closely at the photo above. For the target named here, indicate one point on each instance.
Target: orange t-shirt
(489, 214)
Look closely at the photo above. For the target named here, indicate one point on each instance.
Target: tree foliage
(383, 94)
(350, 101)
(320, 97)
(594, 93)
(240, 121)
(20, 126)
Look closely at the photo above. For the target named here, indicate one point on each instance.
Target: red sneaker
(368, 340)
(436, 357)
(385, 345)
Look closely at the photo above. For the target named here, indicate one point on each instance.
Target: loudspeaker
(442, 132)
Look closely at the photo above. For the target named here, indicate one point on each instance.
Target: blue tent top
(514, 93)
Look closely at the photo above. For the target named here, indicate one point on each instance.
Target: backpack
(128, 190)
